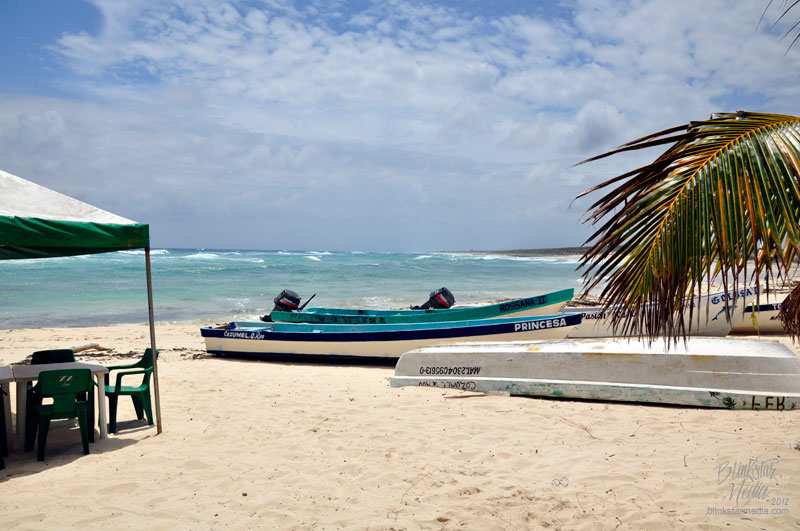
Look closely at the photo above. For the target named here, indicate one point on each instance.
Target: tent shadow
(64, 448)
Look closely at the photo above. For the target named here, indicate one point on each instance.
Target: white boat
(758, 319)
(321, 341)
(708, 317)
(704, 372)
(760, 316)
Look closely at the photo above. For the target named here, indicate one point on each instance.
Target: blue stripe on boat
(763, 308)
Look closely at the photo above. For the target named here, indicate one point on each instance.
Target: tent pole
(153, 336)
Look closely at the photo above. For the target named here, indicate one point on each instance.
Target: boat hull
(597, 323)
(717, 373)
(758, 319)
(546, 304)
(708, 319)
(376, 343)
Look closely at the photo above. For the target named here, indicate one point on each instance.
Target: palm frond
(790, 312)
(787, 7)
(723, 202)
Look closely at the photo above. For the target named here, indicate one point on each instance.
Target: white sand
(293, 446)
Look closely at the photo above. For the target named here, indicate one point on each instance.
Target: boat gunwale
(458, 313)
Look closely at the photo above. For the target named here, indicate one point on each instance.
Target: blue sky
(29, 27)
(395, 125)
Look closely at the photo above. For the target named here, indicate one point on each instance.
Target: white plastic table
(27, 373)
(6, 377)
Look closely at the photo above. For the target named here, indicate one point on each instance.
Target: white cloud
(400, 126)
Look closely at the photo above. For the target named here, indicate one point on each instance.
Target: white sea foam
(545, 259)
(154, 252)
(247, 260)
(380, 303)
(314, 258)
(226, 257)
(423, 257)
(565, 259)
(305, 253)
(44, 261)
(239, 304)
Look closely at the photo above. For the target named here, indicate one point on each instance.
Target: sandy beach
(295, 446)
(513, 170)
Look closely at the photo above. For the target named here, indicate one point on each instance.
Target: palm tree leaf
(790, 312)
(721, 204)
(788, 6)
(786, 11)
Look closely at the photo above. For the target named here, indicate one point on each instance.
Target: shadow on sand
(312, 359)
(64, 447)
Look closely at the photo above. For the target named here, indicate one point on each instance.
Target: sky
(385, 125)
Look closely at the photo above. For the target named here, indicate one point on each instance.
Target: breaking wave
(154, 252)
(564, 259)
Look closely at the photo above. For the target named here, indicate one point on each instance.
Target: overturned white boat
(704, 372)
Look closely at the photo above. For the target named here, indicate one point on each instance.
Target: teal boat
(546, 304)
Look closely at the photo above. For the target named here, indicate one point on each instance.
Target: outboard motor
(286, 301)
(441, 299)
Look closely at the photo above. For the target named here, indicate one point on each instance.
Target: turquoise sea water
(223, 284)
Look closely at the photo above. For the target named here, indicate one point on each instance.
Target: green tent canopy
(36, 222)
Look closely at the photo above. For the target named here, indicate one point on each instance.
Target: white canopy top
(22, 198)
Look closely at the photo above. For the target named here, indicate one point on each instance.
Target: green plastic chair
(140, 394)
(63, 387)
(45, 357)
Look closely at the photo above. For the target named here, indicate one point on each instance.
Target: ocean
(218, 285)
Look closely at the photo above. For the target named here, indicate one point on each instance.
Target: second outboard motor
(441, 299)
(286, 301)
